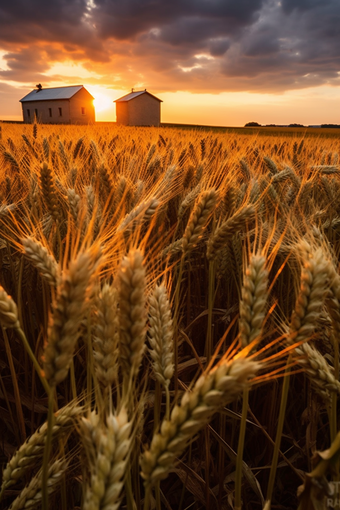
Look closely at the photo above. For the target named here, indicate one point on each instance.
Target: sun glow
(102, 102)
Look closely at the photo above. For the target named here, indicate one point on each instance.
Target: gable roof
(53, 93)
(132, 95)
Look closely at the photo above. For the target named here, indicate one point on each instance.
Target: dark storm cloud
(290, 46)
(218, 46)
(125, 19)
(22, 21)
(62, 22)
(302, 5)
(197, 45)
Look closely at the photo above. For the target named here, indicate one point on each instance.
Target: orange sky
(212, 62)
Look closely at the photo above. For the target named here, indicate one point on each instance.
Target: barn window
(28, 113)
(82, 110)
(60, 112)
(50, 112)
(36, 113)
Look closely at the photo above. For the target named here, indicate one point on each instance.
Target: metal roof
(52, 93)
(132, 95)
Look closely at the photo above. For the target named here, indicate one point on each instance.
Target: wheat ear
(8, 311)
(271, 165)
(189, 199)
(111, 444)
(140, 213)
(314, 277)
(74, 204)
(31, 496)
(132, 316)
(161, 335)
(212, 391)
(312, 292)
(48, 190)
(46, 149)
(106, 336)
(254, 300)
(67, 316)
(286, 173)
(41, 259)
(31, 451)
(171, 249)
(90, 201)
(225, 231)
(204, 206)
(318, 370)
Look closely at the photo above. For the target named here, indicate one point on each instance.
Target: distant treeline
(256, 124)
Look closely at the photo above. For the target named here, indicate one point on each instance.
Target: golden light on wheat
(169, 310)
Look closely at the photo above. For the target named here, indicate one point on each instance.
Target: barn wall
(43, 111)
(144, 110)
(82, 99)
(122, 114)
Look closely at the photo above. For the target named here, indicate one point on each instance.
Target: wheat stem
(47, 451)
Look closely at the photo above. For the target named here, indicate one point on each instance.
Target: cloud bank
(188, 45)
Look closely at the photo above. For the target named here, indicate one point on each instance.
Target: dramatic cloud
(196, 45)
(185, 19)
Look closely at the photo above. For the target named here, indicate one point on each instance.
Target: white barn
(59, 105)
(138, 108)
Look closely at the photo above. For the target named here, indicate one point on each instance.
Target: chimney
(132, 90)
(39, 87)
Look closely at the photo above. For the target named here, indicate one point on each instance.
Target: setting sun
(102, 102)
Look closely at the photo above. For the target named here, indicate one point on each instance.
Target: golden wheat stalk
(173, 248)
(227, 229)
(31, 495)
(47, 186)
(132, 313)
(161, 335)
(8, 311)
(313, 291)
(189, 199)
(74, 204)
(111, 444)
(212, 391)
(67, 316)
(30, 453)
(106, 336)
(42, 260)
(140, 213)
(254, 300)
(204, 206)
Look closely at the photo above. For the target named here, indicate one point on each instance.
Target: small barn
(59, 105)
(139, 108)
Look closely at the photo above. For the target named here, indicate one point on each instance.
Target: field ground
(261, 131)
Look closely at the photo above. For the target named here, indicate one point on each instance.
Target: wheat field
(170, 319)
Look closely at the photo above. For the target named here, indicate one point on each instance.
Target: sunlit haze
(212, 63)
